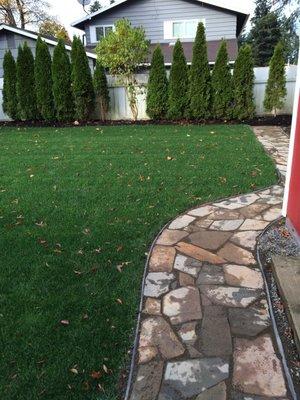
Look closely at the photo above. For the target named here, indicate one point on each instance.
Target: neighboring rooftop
(242, 14)
(34, 35)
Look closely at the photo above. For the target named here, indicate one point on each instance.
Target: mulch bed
(281, 120)
(276, 240)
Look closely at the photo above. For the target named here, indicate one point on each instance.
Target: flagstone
(182, 305)
(236, 275)
(170, 237)
(238, 202)
(157, 283)
(202, 211)
(187, 332)
(209, 240)
(254, 225)
(152, 306)
(181, 222)
(249, 321)
(225, 214)
(187, 265)
(230, 296)
(236, 254)
(192, 377)
(272, 200)
(157, 334)
(216, 393)
(211, 275)
(246, 239)
(253, 210)
(266, 379)
(168, 393)
(199, 253)
(214, 334)
(147, 383)
(242, 396)
(186, 280)
(227, 225)
(272, 214)
(162, 259)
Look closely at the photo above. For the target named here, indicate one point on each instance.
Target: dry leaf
(74, 371)
(96, 374)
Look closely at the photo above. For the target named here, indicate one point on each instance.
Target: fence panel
(120, 109)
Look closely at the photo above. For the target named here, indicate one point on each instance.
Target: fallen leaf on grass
(96, 374)
(65, 322)
(74, 371)
(119, 301)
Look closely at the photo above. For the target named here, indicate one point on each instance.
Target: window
(103, 31)
(185, 29)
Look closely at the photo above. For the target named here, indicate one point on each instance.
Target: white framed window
(99, 32)
(181, 29)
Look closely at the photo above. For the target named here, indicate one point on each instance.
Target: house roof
(212, 50)
(33, 35)
(243, 15)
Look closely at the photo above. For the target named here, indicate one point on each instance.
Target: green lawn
(75, 203)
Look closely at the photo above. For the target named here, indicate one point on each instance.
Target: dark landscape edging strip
(273, 320)
(140, 310)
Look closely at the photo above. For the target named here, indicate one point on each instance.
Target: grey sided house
(165, 21)
(11, 38)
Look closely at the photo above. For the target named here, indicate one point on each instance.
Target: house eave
(79, 24)
(34, 36)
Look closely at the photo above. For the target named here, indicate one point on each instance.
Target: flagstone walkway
(205, 331)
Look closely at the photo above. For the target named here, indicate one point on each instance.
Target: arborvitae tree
(178, 85)
(10, 103)
(276, 86)
(83, 88)
(101, 90)
(26, 95)
(62, 87)
(243, 83)
(157, 94)
(200, 80)
(43, 81)
(222, 91)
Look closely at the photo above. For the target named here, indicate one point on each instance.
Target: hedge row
(196, 92)
(59, 89)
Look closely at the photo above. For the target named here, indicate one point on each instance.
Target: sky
(68, 11)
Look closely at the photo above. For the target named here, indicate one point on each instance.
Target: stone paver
(216, 393)
(148, 380)
(215, 337)
(162, 259)
(182, 305)
(187, 265)
(157, 337)
(236, 254)
(193, 377)
(181, 222)
(257, 369)
(209, 240)
(249, 321)
(237, 275)
(170, 237)
(205, 330)
(157, 283)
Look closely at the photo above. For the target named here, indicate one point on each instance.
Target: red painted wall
(293, 211)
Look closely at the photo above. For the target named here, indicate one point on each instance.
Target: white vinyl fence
(119, 105)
